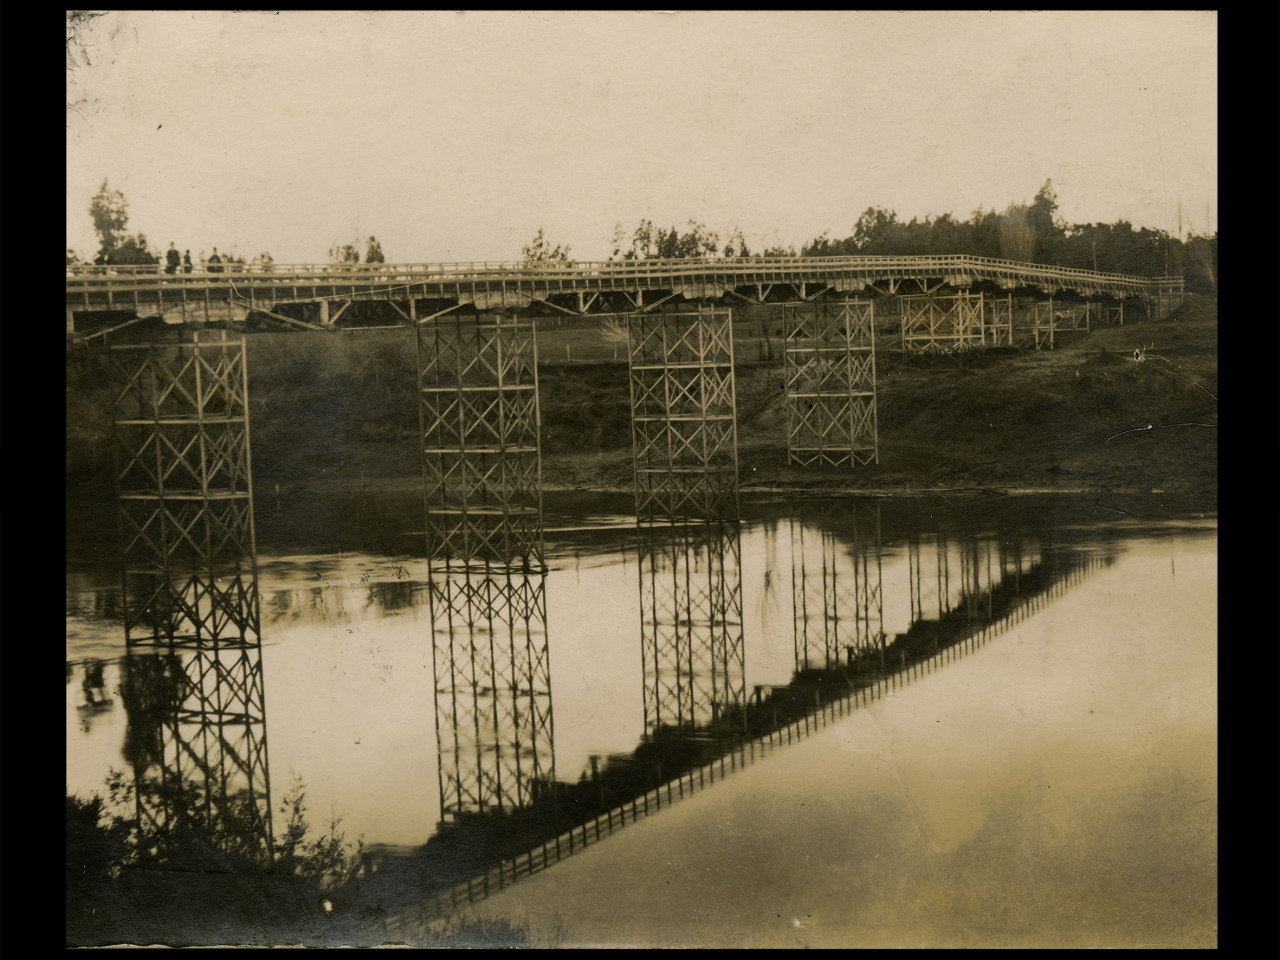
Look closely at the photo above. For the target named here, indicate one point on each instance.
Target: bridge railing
(767, 268)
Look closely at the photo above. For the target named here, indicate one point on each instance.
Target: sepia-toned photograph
(674, 479)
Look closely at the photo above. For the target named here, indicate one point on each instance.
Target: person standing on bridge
(186, 262)
(172, 259)
(215, 259)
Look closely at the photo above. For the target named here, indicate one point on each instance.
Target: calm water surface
(1060, 780)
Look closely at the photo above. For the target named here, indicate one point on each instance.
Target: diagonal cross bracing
(830, 380)
(197, 720)
(934, 325)
(684, 422)
(185, 493)
(997, 322)
(481, 461)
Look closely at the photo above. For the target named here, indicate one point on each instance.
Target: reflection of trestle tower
(946, 577)
(691, 624)
(684, 424)
(830, 376)
(197, 717)
(934, 325)
(494, 726)
(836, 589)
(197, 744)
(483, 498)
(478, 381)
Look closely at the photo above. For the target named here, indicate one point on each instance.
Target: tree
(698, 242)
(644, 244)
(110, 213)
(373, 251)
(1017, 236)
(735, 245)
(876, 232)
(619, 237)
(1049, 230)
(539, 249)
(650, 243)
(347, 253)
(1201, 254)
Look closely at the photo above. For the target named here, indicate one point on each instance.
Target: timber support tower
(478, 404)
(193, 673)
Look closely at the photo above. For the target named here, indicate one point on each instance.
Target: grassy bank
(338, 412)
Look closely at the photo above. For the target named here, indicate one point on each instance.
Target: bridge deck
(149, 288)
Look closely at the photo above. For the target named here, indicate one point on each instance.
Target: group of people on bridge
(174, 262)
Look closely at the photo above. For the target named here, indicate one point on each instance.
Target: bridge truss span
(569, 286)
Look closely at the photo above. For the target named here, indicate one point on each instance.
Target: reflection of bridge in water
(702, 737)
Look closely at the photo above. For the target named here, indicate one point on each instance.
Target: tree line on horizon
(1031, 232)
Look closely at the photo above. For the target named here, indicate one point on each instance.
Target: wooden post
(71, 320)
(324, 314)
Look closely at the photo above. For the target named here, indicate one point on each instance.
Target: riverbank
(1128, 408)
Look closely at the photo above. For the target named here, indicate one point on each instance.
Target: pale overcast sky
(456, 136)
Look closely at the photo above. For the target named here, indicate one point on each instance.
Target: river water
(1053, 784)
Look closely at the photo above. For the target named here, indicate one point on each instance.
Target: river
(1036, 763)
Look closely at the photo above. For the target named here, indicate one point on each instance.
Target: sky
(457, 136)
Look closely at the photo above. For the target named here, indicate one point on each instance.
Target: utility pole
(1094, 244)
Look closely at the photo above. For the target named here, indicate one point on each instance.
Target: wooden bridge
(573, 287)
